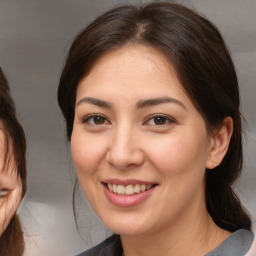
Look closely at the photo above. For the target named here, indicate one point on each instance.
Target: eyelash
(167, 119)
(92, 116)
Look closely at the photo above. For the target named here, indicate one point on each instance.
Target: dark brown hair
(196, 49)
(12, 241)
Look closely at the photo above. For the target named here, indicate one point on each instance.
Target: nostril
(124, 159)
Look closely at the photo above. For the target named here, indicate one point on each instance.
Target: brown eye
(160, 120)
(95, 120)
(99, 120)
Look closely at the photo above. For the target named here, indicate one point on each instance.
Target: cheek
(87, 153)
(180, 162)
(179, 154)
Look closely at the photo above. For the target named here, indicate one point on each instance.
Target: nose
(124, 150)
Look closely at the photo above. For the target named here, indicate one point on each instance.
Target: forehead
(129, 68)
(137, 56)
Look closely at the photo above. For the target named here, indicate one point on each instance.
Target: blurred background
(35, 36)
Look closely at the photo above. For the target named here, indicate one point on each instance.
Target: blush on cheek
(167, 156)
(86, 160)
(177, 157)
(86, 150)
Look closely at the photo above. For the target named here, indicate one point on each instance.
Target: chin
(127, 228)
(128, 231)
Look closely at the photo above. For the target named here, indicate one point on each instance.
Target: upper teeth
(128, 190)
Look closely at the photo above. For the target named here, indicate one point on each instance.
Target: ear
(219, 143)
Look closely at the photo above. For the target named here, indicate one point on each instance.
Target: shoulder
(238, 244)
(109, 247)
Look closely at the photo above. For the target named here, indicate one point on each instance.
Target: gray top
(238, 244)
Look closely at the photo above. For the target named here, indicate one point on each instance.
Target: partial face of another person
(10, 182)
(139, 145)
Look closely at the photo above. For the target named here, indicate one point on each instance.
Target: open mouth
(129, 189)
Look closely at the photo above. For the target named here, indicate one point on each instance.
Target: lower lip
(127, 201)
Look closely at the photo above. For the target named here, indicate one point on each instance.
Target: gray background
(34, 39)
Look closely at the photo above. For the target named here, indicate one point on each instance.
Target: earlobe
(220, 143)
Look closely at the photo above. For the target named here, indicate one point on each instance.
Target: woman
(13, 184)
(151, 103)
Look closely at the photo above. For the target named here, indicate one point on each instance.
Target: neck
(188, 236)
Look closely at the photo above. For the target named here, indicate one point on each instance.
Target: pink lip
(127, 201)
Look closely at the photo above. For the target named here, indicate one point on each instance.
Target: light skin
(10, 183)
(133, 121)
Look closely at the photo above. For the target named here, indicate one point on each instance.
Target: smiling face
(10, 183)
(139, 145)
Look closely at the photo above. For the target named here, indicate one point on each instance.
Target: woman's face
(10, 184)
(139, 145)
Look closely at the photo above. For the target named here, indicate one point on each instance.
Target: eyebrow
(156, 101)
(140, 104)
(97, 102)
